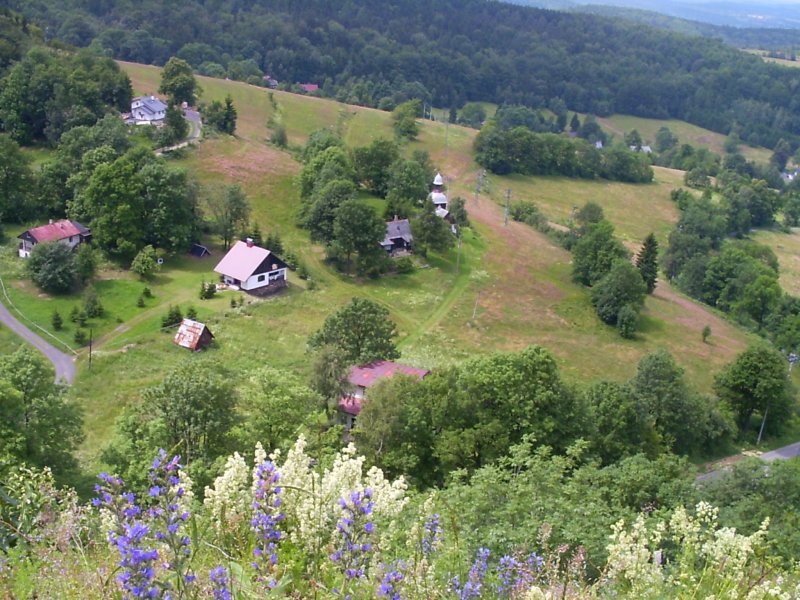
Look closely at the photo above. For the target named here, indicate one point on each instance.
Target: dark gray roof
(399, 228)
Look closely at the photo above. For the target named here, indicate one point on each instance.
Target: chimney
(249, 242)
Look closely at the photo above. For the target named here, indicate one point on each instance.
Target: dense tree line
(449, 52)
(520, 150)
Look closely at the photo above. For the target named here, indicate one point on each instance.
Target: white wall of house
(26, 246)
(257, 281)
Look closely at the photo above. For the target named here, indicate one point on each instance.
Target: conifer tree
(647, 262)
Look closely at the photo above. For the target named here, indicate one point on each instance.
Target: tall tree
(357, 230)
(16, 181)
(595, 252)
(362, 330)
(430, 231)
(757, 382)
(621, 286)
(647, 262)
(231, 211)
(52, 267)
(178, 82)
(372, 164)
(405, 119)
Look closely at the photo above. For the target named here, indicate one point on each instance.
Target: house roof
(438, 198)
(199, 250)
(366, 375)
(190, 334)
(242, 260)
(309, 87)
(438, 180)
(151, 104)
(60, 230)
(399, 228)
(441, 212)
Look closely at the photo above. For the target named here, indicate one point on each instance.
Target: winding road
(64, 364)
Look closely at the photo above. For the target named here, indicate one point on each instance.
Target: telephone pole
(508, 202)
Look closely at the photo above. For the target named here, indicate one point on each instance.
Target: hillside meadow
(506, 288)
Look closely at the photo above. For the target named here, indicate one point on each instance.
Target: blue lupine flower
(267, 518)
(355, 529)
(517, 576)
(472, 587)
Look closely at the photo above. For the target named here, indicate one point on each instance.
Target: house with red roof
(193, 335)
(362, 377)
(65, 231)
(250, 268)
(309, 87)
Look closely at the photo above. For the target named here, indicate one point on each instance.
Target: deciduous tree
(178, 82)
(52, 267)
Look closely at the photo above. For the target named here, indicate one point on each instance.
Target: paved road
(64, 364)
(790, 451)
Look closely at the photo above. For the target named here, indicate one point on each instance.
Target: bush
(404, 265)
(302, 271)
(140, 302)
(173, 317)
(80, 337)
(207, 290)
(57, 321)
(147, 293)
(91, 304)
(191, 313)
(53, 268)
(628, 321)
(145, 263)
(621, 287)
(279, 137)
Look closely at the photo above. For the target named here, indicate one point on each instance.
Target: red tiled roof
(53, 232)
(366, 375)
(190, 334)
(309, 87)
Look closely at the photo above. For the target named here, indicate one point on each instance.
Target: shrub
(191, 313)
(80, 337)
(52, 267)
(628, 321)
(91, 304)
(147, 293)
(140, 302)
(173, 317)
(404, 265)
(57, 321)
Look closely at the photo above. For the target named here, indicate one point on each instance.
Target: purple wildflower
(168, 517)
(355, 531)
(267, 518)
(431, 534)
(392, 577)
(517, 576)
(220, 583)
(472, 587)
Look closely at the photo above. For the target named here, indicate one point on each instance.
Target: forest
(447, 53)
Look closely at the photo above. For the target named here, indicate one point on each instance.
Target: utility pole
(508, 202)
(458, 256)
(90, 348)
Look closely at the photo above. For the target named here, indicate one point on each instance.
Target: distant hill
(448, 52)
(723, 14)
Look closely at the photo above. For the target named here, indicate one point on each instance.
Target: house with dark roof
(64, 231)
(147, 110)
(398, 237)
(362, 377)
(251, 268)
(193, 335)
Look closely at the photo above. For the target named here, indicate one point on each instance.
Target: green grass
(686, 133)
(787, 249)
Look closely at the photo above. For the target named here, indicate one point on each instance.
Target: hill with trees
(447, 53)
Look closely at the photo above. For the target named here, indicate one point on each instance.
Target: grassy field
(507, 288)
(787, 249)
(685, 132)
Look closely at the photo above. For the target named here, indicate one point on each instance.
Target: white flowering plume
(707, 560)
(229, 502)
(310, 498)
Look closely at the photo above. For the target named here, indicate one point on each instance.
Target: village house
(193, 335)
(398, 239)
(252, 268)
(147, 110)
(361, 378)
(64, 231)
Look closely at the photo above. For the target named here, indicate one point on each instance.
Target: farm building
(65, 231)
(361, 378)
(398, 237)
(193, 335)
(251, 268)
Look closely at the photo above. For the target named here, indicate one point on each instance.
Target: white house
(64, 231)
(250, 267)
(147, 110)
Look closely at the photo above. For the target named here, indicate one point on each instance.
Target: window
(262, 277)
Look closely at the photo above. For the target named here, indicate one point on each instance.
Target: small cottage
(252, 268)
(397, 241)
(64, 231)
(361, 378)
(193, 335)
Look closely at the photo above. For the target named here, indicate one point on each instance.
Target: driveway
(64, 364)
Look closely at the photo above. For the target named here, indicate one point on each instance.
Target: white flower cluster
(229, 502)
(706, 560)
(310, 498)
